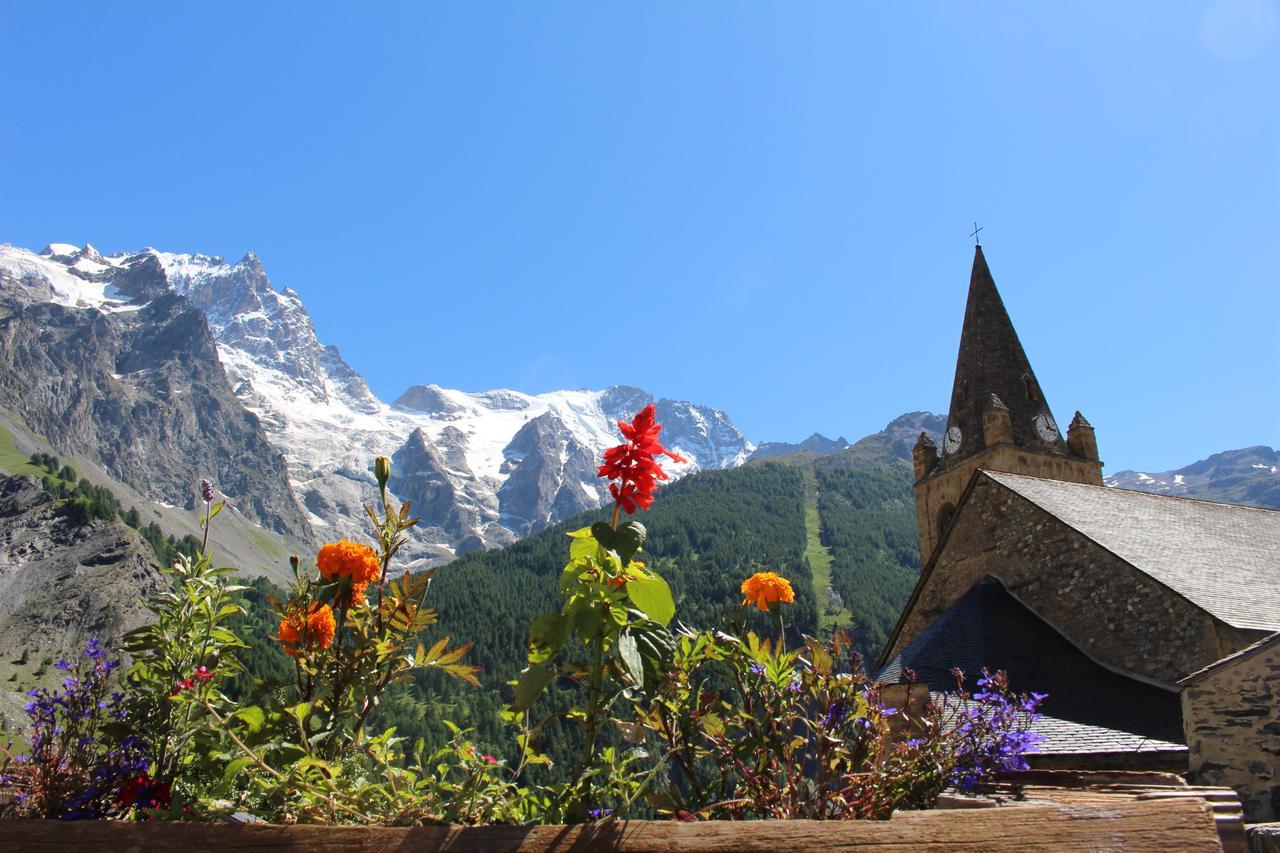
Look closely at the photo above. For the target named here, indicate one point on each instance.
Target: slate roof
(1065, 736)
(1223, 558)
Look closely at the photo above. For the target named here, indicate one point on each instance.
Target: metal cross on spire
(974, 235)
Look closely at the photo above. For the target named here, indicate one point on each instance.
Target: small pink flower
(490, 759)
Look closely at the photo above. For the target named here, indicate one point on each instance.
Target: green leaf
(629, 654)
(625, 541)
(651, 595)
(253, 717)
(532, 681)
(235, 767)
(310, 761)
(629, 539)
(547, 635)
(583, 545)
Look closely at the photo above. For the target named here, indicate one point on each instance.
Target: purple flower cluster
(993, 731)
(74, 769)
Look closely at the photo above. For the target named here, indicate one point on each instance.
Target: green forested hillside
(869, 528)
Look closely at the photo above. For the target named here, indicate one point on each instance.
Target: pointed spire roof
(992, 362)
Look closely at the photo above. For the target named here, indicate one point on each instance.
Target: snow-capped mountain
(482, 469)
(1250, 475)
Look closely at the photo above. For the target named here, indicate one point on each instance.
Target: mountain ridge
(489, 476)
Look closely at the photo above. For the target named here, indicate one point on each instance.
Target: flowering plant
(755, 730)
(618, 609)
(182, 659)
(76, 767)
(351, 631)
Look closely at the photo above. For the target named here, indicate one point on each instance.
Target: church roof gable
(1223, 558)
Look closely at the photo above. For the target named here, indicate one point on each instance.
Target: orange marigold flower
(353, 564)
(317, 628)
(347, 559)
(321, 626)
(764, 588)
(290, 632)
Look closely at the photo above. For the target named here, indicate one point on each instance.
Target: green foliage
(179, 663)
(705, 535)
(302, 751)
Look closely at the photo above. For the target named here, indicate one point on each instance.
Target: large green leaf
(253, 716)
(625, 541)
(583, 544)
(547, 635)
(651, 595)
(234, 767)
(532, 681)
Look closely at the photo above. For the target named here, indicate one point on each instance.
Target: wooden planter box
(1112, 816)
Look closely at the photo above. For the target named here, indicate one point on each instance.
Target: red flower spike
(633, 464)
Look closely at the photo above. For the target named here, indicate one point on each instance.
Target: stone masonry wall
(945, 485)
(1231, 716)
(1118, 615)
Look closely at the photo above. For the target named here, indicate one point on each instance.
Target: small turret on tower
(924, 455)
(1080, 438)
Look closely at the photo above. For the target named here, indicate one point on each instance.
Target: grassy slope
(13, 460)
(820, 560)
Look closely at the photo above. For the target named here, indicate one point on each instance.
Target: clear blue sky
(760, 207)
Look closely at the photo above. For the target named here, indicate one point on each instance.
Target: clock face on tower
(1045, 427)
(951, 441)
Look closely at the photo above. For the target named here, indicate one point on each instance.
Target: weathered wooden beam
(1184, 824)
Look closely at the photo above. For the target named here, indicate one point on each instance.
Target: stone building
(1106, 599)
(1231, 716)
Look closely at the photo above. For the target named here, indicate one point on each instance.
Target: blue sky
(760, 207)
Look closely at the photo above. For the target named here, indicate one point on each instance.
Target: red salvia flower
(633, 464)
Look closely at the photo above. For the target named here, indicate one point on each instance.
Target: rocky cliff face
(61, 583)
(137, 387)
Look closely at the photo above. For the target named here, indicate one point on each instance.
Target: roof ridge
(1132, 491)
(1229, 659)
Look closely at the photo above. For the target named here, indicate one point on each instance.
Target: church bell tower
(999, 418)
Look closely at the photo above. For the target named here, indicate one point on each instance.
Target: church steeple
(992, 361)
(999, 418)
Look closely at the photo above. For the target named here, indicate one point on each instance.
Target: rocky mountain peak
(428, 399)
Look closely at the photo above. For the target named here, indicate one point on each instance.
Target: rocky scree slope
(61, 582)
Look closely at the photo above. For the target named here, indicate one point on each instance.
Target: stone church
(1152, 622)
